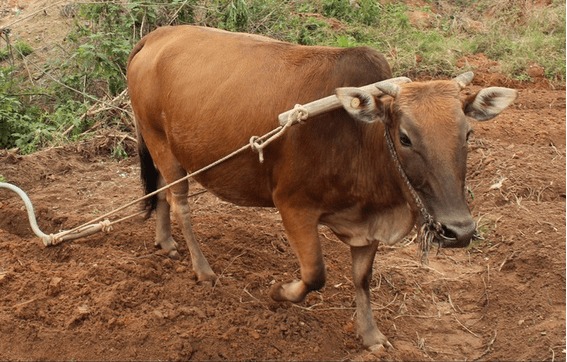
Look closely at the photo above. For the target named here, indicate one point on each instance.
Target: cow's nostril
(447, 233)
(457, 235)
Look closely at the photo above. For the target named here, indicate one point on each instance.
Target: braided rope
(258, 144)
(430, 228)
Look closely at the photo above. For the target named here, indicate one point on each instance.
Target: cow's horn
(464, 79)
(388, 88)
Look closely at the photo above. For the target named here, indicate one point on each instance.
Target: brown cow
(198, 94)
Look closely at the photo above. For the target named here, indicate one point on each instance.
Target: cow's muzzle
(445, 235)
(456, 235)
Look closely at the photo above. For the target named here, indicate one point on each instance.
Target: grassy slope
(419, 37)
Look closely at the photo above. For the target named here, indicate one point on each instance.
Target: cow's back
(209, 91)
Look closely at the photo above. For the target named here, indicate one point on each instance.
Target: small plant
(484, 228)
(365, 12)
(23, 49)
(119, 152)
(20, 49)
(236, 15)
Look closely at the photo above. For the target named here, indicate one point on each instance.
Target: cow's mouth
(445, 238)
(433, 232)
(448, 238)
(445, 241)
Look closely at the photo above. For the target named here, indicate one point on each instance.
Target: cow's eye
(405, 140)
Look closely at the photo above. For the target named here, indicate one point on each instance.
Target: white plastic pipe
(53, 239)
(29, 208)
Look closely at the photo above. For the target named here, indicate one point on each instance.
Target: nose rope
(430, 228)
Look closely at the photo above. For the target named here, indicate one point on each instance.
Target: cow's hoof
(377, 348)
(206, 279)
(377, 352)
(276, 294)
(288, 292)
(169, 247)
(174, 254)
(206, 283)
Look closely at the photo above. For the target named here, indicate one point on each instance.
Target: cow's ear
(489, 102)
(359, 104)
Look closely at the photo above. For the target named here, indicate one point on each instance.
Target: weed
(119, 152)
(20, 49)
(23, 49)
(236, 16)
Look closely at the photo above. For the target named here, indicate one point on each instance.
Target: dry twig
(488, 347)
(465, 327)
(506, 259)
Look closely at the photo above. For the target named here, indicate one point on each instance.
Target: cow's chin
(451, 243)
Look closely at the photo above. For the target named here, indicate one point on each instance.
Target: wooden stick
(331, 102)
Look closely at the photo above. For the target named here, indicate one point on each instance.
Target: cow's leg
(163, 224)
(171, 170)
(362, 260)
(201, 266)
(301, 229)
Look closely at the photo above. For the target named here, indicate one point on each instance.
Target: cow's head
(428, 123)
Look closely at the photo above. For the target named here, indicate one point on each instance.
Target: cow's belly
(241, 181)
(387, 226)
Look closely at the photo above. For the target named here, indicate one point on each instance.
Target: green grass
(505, 31)
(20, 50)
(34, 114)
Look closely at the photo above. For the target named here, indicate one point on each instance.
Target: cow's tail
(139, 45)
(148, 173)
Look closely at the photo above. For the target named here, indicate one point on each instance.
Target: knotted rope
(258, 144)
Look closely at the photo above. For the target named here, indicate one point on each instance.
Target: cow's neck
(382, 213)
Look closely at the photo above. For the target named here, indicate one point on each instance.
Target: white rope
(102, 223)
(258, 144)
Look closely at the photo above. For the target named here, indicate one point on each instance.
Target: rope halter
(430, 228)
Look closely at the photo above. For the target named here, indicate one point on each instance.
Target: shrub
(92, 69)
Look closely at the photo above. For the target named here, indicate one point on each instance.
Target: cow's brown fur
(198, 94)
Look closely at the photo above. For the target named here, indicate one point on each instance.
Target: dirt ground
(115, 297)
